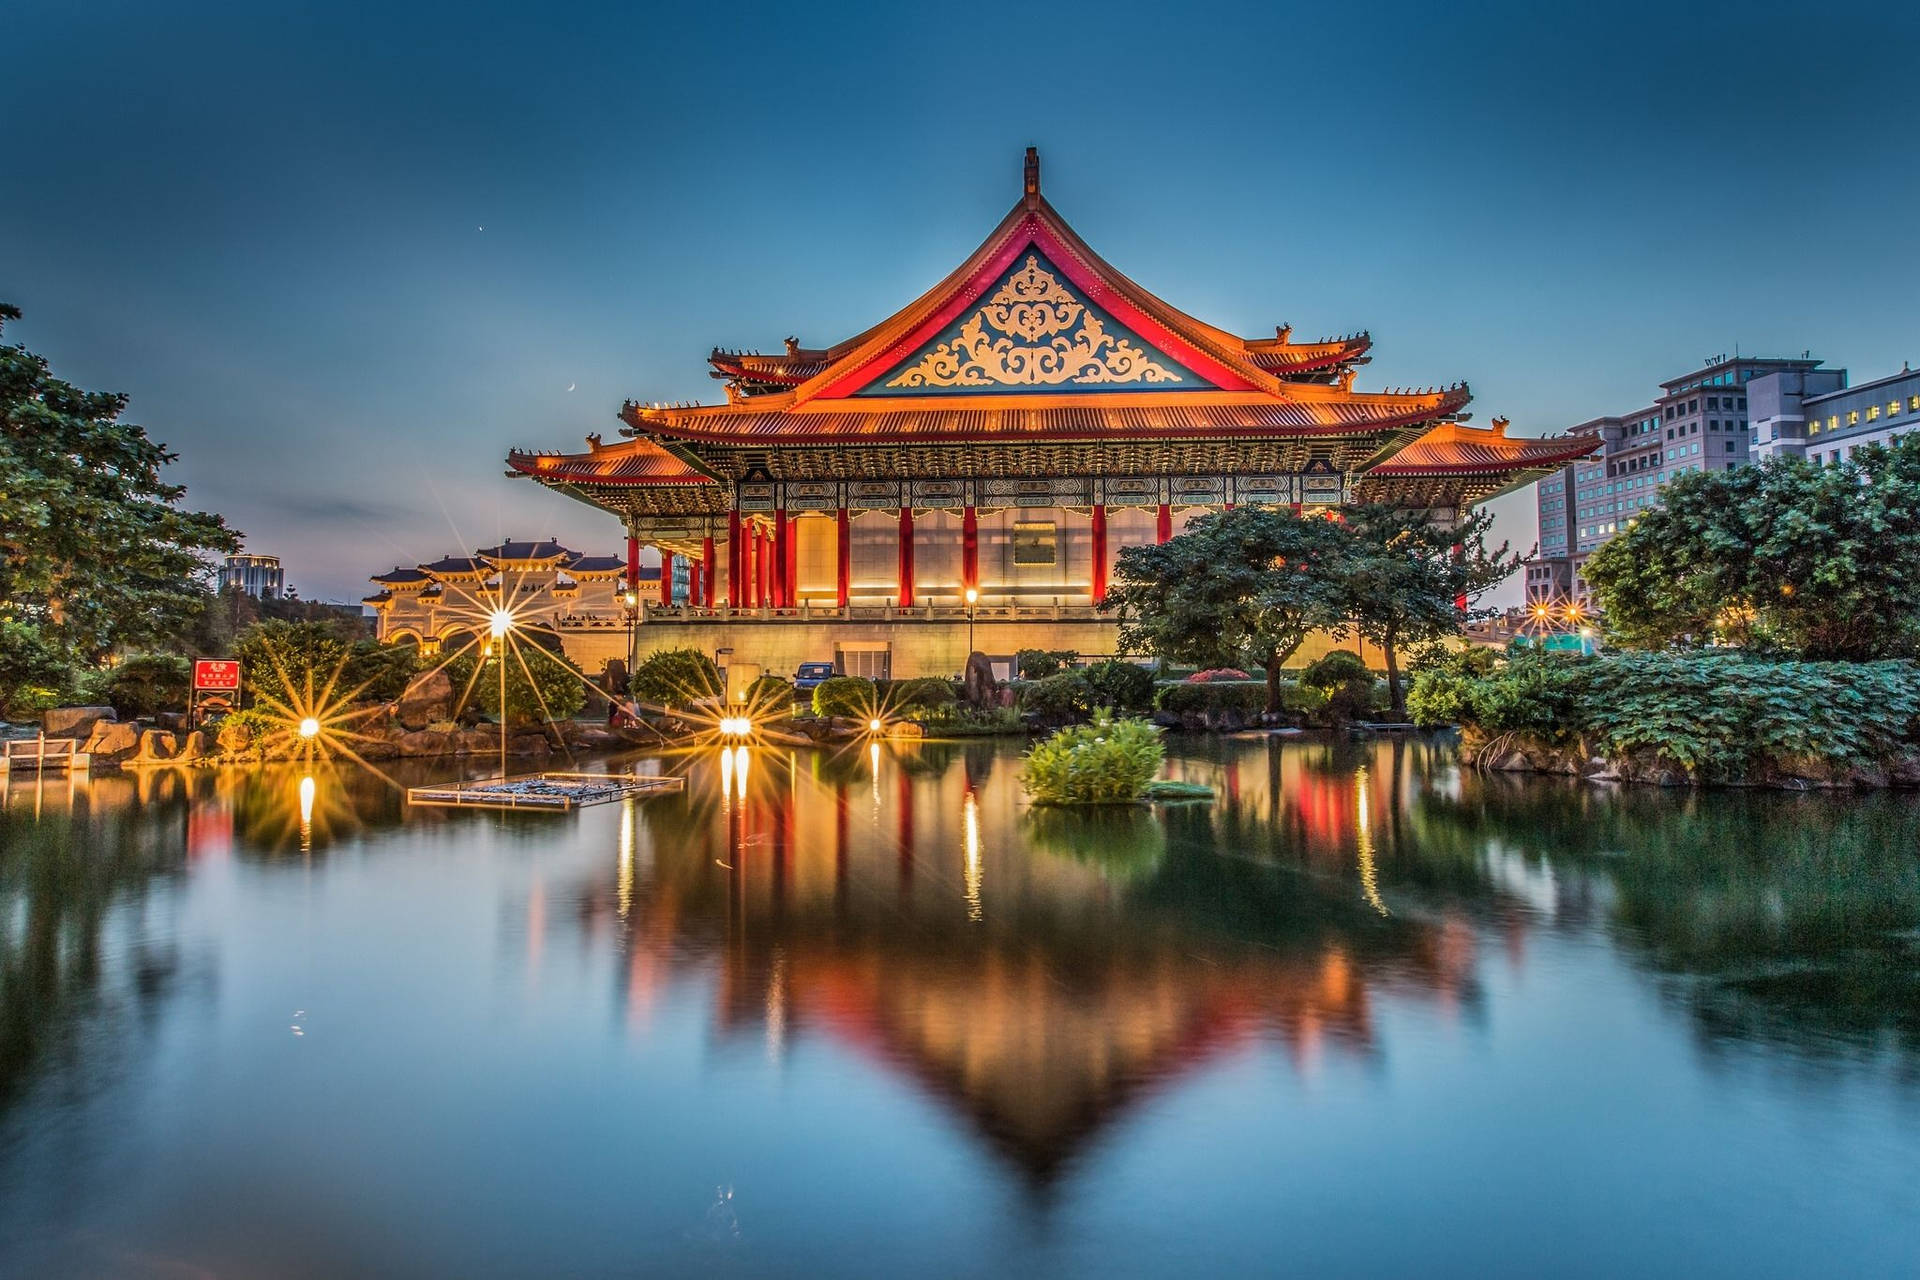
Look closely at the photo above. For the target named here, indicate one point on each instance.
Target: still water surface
(864, 1013)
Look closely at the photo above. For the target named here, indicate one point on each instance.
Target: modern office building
(257, 576)
(1698, 422)
(1817, 416)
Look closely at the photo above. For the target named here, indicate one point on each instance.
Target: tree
(291, 664)
(95, 553)
(1242, 586)
(541, 685)
(1820, 561)
(31, 667)
(1407, 577)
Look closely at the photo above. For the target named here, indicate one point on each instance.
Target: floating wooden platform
(545, 791)
(63, 754)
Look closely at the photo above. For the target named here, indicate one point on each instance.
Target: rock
(906, 729)
(1905, 773)
(428, 698)
(172, 721)
(981, 689)
(234, 738)
(73, 722)
(195, 745)
(591, 739)
(477, 742)
(425, 743)
(112, 742)
(157, 744)
(530, 747)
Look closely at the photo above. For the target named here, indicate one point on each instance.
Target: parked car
(810, 674)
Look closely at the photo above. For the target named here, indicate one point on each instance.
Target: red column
(693, 581)
(782, 544)
(633, 562)
(765, 575)
(843, 553)
(1099, 552)
(790, 571)
(1163, 523)
(969, 550)
(906, 557)
(666, 577)
(707, 565)
(733, 559)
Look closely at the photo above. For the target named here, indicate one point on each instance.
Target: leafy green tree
(144, 684)
(289, 664)
(29, 662)
(675, 678)
(1820, 561)
(1407, 577)
(853, 697)
(1242, 586)
(94, 550)
(541, 685)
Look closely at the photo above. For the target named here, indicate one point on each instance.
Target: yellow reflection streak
(1369, 885)
(970, 825)
(626, 859)
(306, 814)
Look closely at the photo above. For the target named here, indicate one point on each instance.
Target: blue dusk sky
(343, 256)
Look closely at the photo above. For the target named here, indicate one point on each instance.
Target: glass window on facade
(1035, 542)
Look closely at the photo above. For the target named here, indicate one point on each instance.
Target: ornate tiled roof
(583, 566)
(1453, 448)
(1310, 411)
(458, 566)
(635, 462)
(522, 552)
(401, 577)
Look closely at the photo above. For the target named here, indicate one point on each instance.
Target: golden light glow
(736, 726)
(970, 827)
(973, 596)
(309, 728)
(499, 622)
(873, 725)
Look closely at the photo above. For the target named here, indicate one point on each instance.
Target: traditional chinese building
(964, 472)
(447, 602)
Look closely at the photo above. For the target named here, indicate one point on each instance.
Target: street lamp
(973, 598)
(632, 599)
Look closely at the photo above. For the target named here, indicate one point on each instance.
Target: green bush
(922, 694)
(1346, 684)
(958, 720)
(1718, 716)
(675, 678)
(1214, 697)
(771, 693)
(1063, 696)
(853, 697)
(33, 669)
(1038, 664)
(379, 672)
(143, 685)
(555, 691)
(1126, 687)
(1106, 762)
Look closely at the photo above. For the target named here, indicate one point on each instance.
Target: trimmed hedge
(1248, 697)
(1065, 696)
(675, 677)
(853, 697)
(924, 692)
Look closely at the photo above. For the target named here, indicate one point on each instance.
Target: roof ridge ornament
(1033, 177)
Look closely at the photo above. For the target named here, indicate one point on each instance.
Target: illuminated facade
(978, 459)
(551, 588)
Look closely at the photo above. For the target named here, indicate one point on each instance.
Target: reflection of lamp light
(309, 728)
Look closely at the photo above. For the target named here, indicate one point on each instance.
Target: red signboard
(216, 673)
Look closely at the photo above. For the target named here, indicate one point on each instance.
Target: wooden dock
(545, 791)
(43, 753)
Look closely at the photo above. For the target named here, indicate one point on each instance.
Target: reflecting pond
(864, 1012)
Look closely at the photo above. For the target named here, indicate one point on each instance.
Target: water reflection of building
(902, 912)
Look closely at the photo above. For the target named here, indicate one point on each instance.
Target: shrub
(1119, 685)
(379, 672)
(1218, 673)
(1064, 696)
(1106, 762)
(853, 697)
(771, 693)
(143, 684)
(1038, 664)
(287, 664)
(1344, 681)
(33, 669)
(675, 678)
(1214, 697)
(959, 720)
(555, 691)
(922, 694)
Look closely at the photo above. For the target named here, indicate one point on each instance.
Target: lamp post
(632, 599)
(973, 598)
